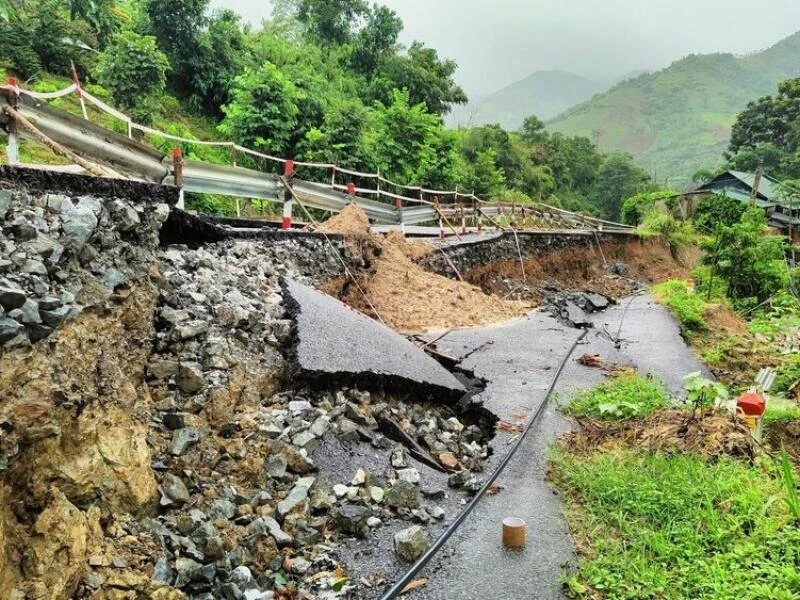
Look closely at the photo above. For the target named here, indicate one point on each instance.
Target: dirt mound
(671, 431)
(351, 221)
(410, 299)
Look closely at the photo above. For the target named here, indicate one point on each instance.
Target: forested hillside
(322, 81)
(679, 119)
(545, 94)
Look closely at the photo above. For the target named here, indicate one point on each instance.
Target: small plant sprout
(703, 393)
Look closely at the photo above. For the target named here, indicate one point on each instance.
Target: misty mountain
(544, 94)
(679, 119)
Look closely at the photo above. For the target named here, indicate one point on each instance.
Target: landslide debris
(352, 221)
(612, 269)
(153, 447)
(407, 297)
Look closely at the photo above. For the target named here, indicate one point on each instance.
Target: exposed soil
(404, 295)
(672, 431)
(351, 221)
(786, 435)
(613, 270)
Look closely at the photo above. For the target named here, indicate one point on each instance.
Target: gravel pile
(60, 254)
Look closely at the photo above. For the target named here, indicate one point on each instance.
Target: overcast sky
(496, 42)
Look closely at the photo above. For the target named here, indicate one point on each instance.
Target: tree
(221, 54)
(717, 211)
(134, 70)
(39, 37)
(619, 178)
(427, 78)
(533, 131)
(263, 110)
(769, 128)
(399, 138)
(376, 41)
(177, 25)
(747, 258)
(486, 179)
(105, 17)
(328, 22)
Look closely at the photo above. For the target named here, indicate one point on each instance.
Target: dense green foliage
(134, 70)
(678, 526)
(769, 130)
(687, 307)
(637, 207)
(626, 396)
(747, 258)
(321, 81)
(713, 211)
(679, 119)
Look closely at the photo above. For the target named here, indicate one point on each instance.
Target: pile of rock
(573, 308)
(59, 254)
(244, 510)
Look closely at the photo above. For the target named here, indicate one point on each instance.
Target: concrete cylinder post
(12, 147)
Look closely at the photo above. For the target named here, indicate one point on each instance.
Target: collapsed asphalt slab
(332, 344)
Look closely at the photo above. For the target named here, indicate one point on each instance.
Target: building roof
(784, 219)
(766, 189)
(739, 195)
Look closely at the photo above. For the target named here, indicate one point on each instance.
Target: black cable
(400, 585)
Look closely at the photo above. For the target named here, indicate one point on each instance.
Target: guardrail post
(78, 90)
(288, 173)
(463, 219)
(177, 175)
(12, 148)
(398, 206)
(351, 189)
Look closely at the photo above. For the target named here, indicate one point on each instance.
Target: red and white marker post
(288, 173)
(12, 147)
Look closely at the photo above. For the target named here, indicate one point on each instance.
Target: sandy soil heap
(406, 296)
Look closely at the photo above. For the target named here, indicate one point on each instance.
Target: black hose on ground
(401, 584)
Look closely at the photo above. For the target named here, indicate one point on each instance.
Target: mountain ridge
(678, 119)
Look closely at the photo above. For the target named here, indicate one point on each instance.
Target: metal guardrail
(133, 159)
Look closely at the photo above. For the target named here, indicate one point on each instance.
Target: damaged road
(335, 345)
(474, 564)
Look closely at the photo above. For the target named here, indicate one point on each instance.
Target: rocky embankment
(152, 441)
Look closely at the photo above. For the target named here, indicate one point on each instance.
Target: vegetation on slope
(676, 505)
(320, 81)
(679, 119)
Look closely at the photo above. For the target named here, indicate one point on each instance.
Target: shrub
(134, 70)
(626, 396)
(748, 259)
(713, 211)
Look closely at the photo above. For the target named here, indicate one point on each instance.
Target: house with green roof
(739, 186)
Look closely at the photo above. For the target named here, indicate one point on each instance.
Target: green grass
(626, 396)
(781, 413)
(687, 308)
(655, 526)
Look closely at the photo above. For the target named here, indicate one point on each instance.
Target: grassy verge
(625, 396)
(735, 346)
(652, 523)
(656, 526)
